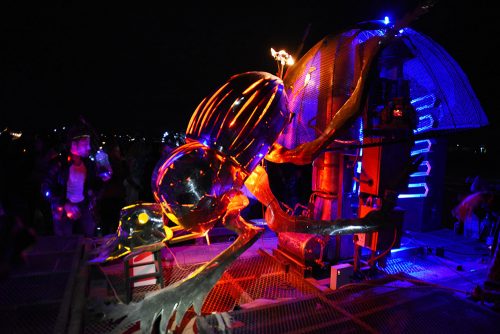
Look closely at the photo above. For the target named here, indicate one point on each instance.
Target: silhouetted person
(112, 198)
(43, 154)
(137, 182)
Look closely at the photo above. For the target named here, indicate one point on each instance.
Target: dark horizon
(157, 64)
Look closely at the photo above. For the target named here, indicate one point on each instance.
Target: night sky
(107, 60)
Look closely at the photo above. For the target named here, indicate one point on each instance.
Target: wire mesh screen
(319, 84)
(32, 289)
(248, 282)
(400, 265)
(388, 305)
(440, 91)
(256, 295)
(325, 77)
(30, 319)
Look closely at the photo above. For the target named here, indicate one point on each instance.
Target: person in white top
(72, 185)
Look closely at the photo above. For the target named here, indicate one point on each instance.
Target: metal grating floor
(248, 281)
(24, 290)
(400, 265)
(380, 306)
(256, 295)
(30, 319)
(32, 298)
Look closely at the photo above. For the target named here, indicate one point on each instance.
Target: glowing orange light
(260, 116)
(252, 86)
(243, 108)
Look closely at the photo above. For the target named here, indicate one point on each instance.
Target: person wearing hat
(71, 186)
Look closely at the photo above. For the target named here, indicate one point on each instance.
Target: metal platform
(38, 296)
(390, 305)
(416, 292)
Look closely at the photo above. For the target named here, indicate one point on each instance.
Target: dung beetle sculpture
(201, 182)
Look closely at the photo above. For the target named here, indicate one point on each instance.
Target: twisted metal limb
(191, 291)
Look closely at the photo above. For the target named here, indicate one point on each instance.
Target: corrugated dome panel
(323, 79)
(440, 91)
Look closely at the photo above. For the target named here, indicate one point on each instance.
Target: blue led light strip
(424, 173)
(416, 185)
(426, 163)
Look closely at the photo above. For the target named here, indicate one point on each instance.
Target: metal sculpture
(141, 228)
(230, 133)
(200, 184)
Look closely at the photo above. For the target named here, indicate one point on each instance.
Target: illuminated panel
(423, 106)
(424, 102)
(423, 170)
(420, 189)
(357, 171)
(421, 146)
(425, 122)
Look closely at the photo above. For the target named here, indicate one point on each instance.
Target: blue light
(386, 20)
(424, 102)
(425, 164)
(439, 87)
(358, 167)
(425, 122)
(420, 148)
(361, 135)
(47, 193)
(423, 186)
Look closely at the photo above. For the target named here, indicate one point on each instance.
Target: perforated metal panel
(324, 78)
(388, 305)
(30, 319)
(247, 280)
(256, 295)
(401, 265)
(32, 289)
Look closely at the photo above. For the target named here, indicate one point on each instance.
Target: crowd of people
(68, 182)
